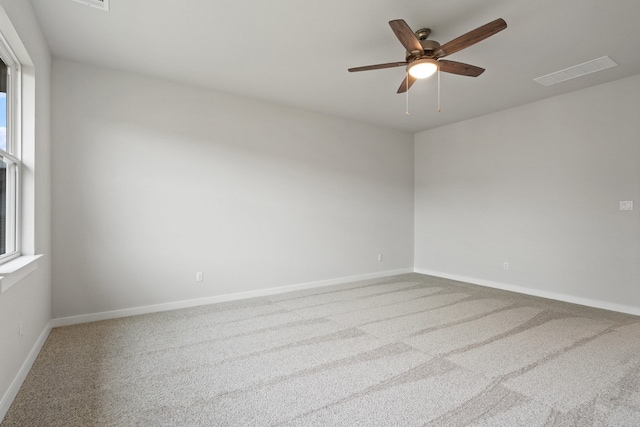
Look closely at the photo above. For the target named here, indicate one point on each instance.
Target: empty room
(319, 213)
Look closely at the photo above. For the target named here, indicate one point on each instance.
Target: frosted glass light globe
(422, 68)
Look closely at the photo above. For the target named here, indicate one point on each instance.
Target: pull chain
(438, 110)
(407, 91)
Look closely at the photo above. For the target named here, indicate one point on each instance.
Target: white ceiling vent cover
(99, 4)
(576, 71)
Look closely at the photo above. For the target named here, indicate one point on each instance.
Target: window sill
(17, 269)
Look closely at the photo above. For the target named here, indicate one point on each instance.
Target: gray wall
(537, 186)
(154, 181)
(29, 300)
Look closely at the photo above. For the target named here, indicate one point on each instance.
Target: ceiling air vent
(576, 71)
(98, 4)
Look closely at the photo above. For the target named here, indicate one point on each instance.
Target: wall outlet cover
(626, 205)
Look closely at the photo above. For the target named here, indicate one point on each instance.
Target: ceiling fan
(424, 57)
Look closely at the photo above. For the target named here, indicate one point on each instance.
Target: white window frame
(12, 154)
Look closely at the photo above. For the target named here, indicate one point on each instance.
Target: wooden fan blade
(405, 35)
(472, 37)
(406, 83)
(378, 66)
(455, 67)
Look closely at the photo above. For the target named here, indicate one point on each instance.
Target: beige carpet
(406, 350)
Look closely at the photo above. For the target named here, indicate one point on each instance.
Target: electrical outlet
(199, 276)
(505, 265)
(20, 330)
(380, 257)
(626, 205)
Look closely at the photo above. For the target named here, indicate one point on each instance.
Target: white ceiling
(296, 53)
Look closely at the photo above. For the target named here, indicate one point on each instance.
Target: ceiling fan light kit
(424, 57)
(422, 68)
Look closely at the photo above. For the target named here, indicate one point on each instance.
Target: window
(10, 164)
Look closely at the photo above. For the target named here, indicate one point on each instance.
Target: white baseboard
(114, 314)
(536, 292)
(13, 389)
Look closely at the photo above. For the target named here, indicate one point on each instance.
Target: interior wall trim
(114, 314)
(13, 389)
(605, 305)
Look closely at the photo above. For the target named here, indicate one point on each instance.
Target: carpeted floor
(401, 351)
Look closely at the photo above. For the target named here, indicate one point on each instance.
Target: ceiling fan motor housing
(429, 48)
